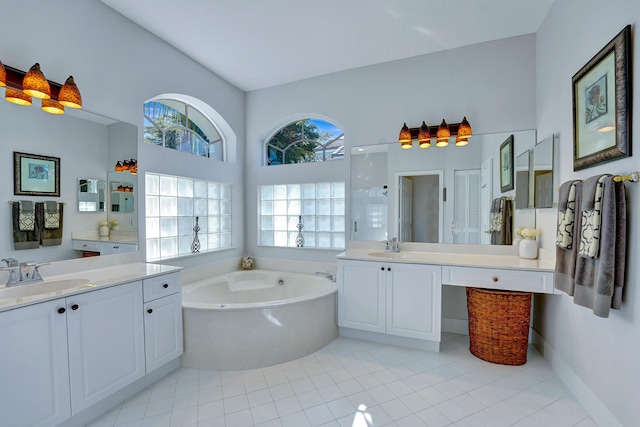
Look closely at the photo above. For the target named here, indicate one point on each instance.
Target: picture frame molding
(21, 188)
(620, 147)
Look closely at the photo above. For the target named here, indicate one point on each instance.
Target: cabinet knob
(166, 285)
(388, 268)
(495, 279)
(74, 307)
(61, 310)
(150, 311)
(381, 268)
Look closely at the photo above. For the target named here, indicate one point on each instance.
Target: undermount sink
(390, 255)
(38, 288)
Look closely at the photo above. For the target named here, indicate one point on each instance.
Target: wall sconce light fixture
(22, 87)
(424, 133)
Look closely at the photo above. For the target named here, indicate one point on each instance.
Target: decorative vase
(299, 237)
(528, 249)
(195, 245)
(104, 231)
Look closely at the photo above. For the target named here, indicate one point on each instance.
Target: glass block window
(318, 207)
(305, 141)
(174, 124)
(173, 204)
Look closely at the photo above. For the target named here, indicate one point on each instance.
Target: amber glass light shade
(118, 167)
(3, 75)
(424, 136)
(405, 137)
(443, 135)
(35, 83)
(52, 106)
(69, 95)
(17, 97)
(464, 133)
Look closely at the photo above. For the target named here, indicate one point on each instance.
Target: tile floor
(353, 383)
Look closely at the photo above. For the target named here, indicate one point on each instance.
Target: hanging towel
(27, 217)
(568, 233)
(501, 213)
(23, 239)
(599, 279)
(51, 215)
(49, 237)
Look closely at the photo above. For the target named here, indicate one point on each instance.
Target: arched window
(305, 141)
(180, 126)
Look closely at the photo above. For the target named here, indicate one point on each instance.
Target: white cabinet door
(34, 370)
(361, 295)
(117, 248)
(106, 342)
(163, 330)
(413, 301)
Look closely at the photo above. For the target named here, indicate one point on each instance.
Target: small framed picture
(36, 175)
(506, 165)
(602, 105)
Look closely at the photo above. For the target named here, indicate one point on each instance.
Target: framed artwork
(506, 165)
(36, 175)
(602, 105)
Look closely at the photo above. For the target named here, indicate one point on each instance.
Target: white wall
(491, 83)
(602, 353)
(118, 66)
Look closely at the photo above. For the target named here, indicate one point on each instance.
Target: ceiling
(255, 44)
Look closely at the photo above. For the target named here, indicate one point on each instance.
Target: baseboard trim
(455, 326)
(589, 401)
(390, 339)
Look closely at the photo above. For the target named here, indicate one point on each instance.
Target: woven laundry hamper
(499, 325)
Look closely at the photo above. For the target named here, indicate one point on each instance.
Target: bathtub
(258, 318)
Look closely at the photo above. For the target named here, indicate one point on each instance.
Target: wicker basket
(499, 325)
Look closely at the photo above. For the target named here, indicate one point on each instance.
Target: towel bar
(11, 202)
(634, 177)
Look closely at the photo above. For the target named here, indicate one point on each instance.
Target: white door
(406, 210)
(106, 342)
(361, 295)
(34, 365)
(486, 196)
(163, 330)
(413, 301)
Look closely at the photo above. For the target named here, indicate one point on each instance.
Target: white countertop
(449, 258)
(95, 279)
(113, 237)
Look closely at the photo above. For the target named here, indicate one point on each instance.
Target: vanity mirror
(91, 195)
(434, 195)
(543, 188)
(524, 195)
(88, 146)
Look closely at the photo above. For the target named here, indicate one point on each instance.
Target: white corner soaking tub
(257, 318)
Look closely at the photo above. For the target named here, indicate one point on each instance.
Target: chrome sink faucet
(22, 272)
(392, 245)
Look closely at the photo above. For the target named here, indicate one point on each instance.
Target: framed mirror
(91, 195)
(122, 192)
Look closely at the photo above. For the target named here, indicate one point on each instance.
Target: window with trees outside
(305, 141)
(177, 125)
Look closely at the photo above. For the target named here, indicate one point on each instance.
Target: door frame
(398, 179)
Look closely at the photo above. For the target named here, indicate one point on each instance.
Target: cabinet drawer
(86, 245)
(493, 278)
(160, 286)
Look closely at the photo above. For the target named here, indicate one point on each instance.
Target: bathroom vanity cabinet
(65, 355)
(162, 320)
(390, 298)
(104, 247)
(396, 298)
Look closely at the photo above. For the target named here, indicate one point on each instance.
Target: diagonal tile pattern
(352, 383)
